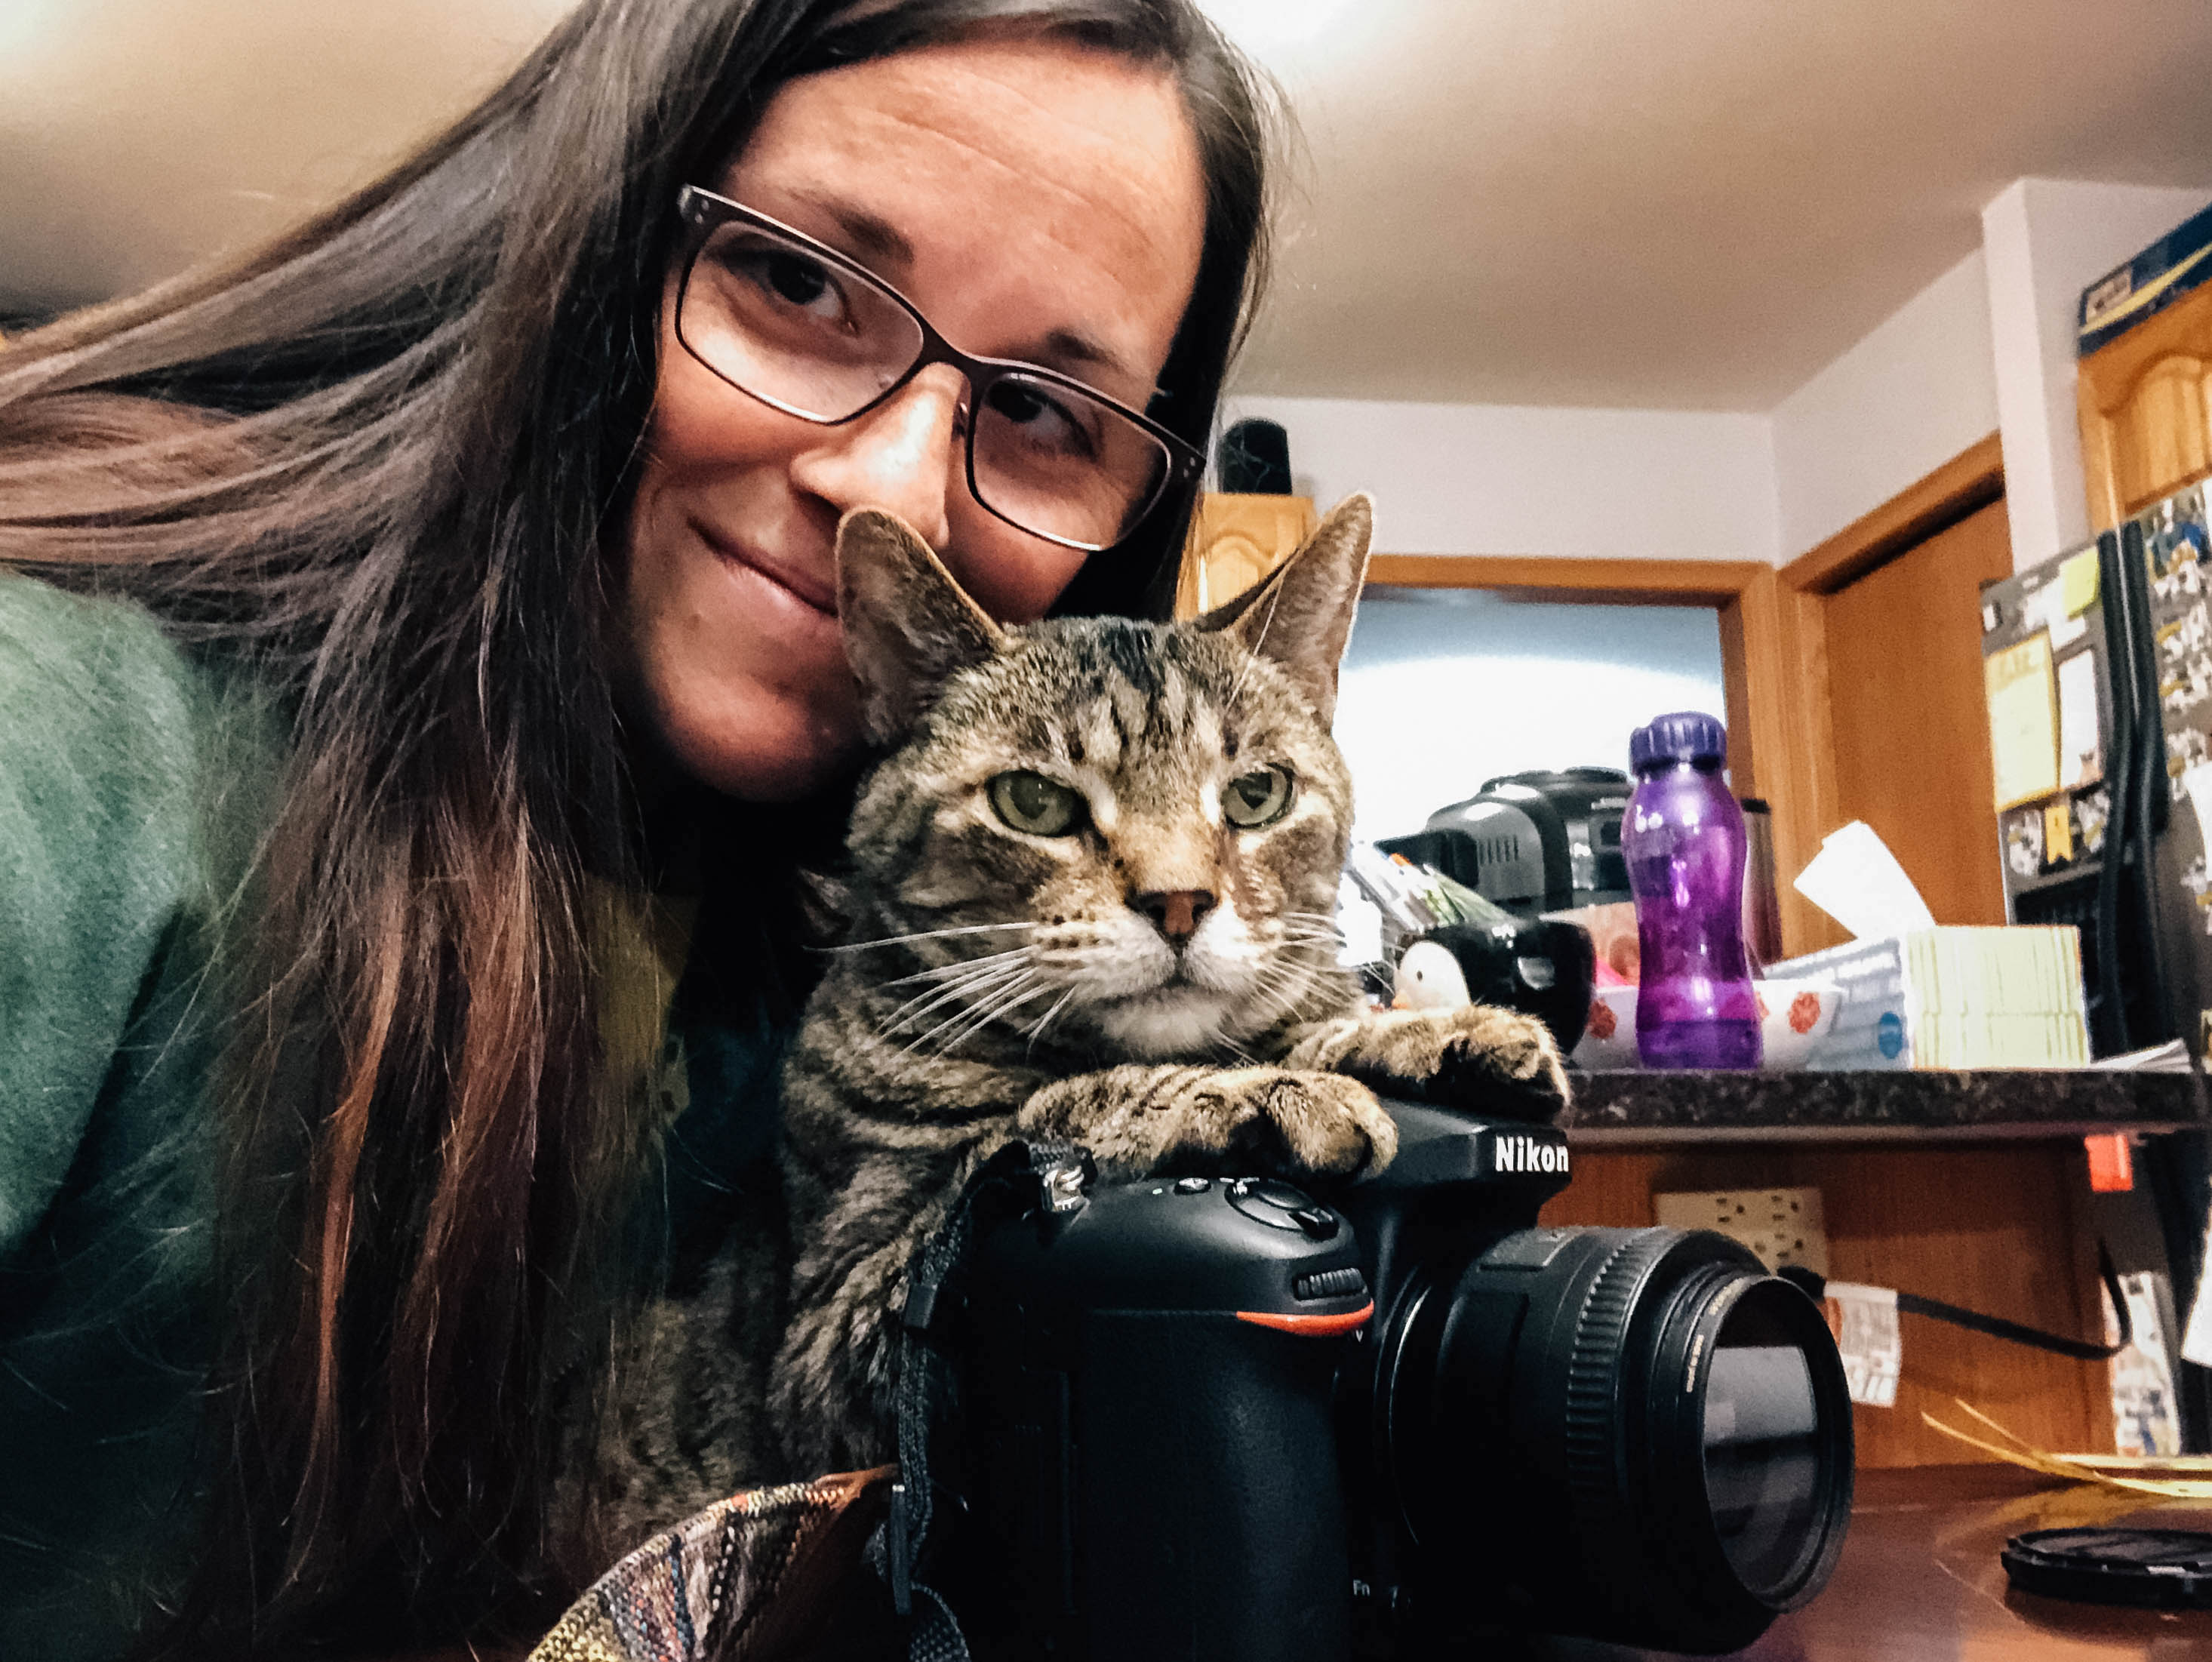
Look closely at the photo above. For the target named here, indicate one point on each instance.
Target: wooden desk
(1920, 1581)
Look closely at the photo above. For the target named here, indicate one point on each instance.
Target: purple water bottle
(1683, 841)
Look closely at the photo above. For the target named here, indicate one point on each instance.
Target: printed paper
(2058, 833)
(2080, 744)
(1864, 1321)
(2023, 702)
(2077, 583)
(2196, 1338)
(2146, 1415)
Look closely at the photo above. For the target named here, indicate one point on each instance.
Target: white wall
(1988, 345)
(1458, 478)
(1919, 388)
(2044, 241)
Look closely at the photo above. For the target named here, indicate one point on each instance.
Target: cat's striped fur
(1157, 982)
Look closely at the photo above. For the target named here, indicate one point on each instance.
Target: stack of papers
(1960, 997)
(1919, 995)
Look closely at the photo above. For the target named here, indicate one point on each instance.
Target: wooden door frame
(1774, 663)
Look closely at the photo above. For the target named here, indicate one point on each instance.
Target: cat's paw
(1292, 1121)
(1478, 1058)
(1139, 1122)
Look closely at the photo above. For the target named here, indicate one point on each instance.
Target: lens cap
(2164, 1568)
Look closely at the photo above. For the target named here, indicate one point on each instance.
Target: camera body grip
(1157, 1475)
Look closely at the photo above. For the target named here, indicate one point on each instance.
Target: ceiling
(1673, 204)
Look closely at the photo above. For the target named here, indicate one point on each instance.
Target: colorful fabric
(766, 1575)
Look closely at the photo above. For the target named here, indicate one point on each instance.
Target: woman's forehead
(1037, 199)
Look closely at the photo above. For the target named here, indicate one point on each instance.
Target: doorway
(1887, 720)
(1905, 705)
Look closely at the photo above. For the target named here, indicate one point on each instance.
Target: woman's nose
(904, 455)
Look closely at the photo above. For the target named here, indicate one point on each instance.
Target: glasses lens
(773, 317)
(1064, 464)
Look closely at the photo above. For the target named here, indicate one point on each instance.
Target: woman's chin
(764, 749)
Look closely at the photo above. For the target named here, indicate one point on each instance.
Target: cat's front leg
(1140, 1120)
(830, 1389)
(1478, 1058)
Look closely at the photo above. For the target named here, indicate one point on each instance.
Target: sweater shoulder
(119, 768)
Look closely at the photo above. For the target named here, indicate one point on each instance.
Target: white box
(1964, 996)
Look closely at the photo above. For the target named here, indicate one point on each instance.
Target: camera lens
(1629, 1435)
(1762, 1426)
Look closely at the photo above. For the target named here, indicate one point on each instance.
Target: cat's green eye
(1259, 798)
(1031, 802)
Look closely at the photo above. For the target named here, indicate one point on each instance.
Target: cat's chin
(1167, 1023)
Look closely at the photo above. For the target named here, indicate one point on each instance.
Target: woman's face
(1035, 201)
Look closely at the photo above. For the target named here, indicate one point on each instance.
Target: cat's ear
(907, 623)
(1301, 616)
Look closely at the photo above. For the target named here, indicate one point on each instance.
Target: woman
(485, 522)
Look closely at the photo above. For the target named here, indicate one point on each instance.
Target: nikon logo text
(1518, 1153)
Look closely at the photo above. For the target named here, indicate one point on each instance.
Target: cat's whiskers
(981, 983)
(1282, 985)
(941, 972)
(963, 992)
(1045, 1020)
(980, 1015)
(926, 934)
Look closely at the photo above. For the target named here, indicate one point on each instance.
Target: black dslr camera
(1214, 1418)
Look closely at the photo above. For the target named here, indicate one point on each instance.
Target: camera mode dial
(1279, 1206)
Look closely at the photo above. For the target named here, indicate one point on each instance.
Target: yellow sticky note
(2057, 833)
(2023, 699)
(2077, 583)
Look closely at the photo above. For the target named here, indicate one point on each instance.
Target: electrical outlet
(1782, 1225)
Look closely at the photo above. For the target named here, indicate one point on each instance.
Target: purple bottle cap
(1684, 735)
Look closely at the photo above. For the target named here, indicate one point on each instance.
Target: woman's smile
(816, 591)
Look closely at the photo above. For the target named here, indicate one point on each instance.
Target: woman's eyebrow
(873, 240)
(1071, 353)
(883, 247)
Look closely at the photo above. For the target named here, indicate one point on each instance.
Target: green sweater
(133, 786)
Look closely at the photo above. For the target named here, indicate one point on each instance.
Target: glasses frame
(703, 212)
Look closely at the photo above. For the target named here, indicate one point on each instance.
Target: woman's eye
(792, 280)
(1258, 798)
(1041, 420)
(1031, 802)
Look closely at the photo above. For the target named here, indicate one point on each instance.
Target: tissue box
(2007, 996)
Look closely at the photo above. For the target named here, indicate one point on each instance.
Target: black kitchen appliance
(2122, 631)
(2125, 629)
(1533, 842)
(1538, 965)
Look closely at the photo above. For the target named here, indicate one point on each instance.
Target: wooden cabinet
(2145, 403)
(1235, 541)
(1999, 1225)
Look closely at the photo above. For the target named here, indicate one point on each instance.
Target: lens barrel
(1636, 1435)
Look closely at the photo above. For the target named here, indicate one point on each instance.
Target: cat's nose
(1176, 913)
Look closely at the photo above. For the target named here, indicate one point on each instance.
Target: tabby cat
(1091, 894)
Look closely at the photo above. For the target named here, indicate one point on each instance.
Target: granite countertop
(1635, 1106)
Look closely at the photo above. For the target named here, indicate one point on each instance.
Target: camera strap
(1020, 1176)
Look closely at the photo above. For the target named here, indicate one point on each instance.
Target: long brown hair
(380, 465)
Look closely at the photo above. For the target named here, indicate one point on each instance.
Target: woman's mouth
(807, 588)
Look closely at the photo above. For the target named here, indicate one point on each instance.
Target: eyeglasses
(808, 332)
